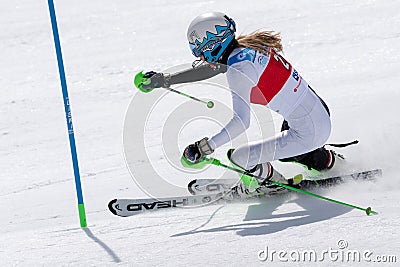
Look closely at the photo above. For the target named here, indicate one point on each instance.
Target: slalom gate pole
(81, 206)
(217, 162)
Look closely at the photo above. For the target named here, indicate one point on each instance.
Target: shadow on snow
(315, 210)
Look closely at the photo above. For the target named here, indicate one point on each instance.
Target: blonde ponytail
(259, 40)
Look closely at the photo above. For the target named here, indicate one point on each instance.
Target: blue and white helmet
(210, 34)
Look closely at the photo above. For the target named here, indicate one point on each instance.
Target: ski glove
(147, 81)
(196, 152)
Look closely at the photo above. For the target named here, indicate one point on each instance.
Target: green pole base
(82, 215)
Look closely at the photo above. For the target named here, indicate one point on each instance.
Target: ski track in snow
(348, 51)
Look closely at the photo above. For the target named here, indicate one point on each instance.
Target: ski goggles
(197, 51)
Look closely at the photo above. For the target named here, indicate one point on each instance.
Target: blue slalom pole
(81, 206)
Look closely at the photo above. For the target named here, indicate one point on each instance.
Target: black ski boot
(319, 159)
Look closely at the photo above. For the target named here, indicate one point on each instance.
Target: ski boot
(265, 172)
(317, 160)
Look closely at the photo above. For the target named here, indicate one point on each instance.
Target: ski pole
(209, 104)
(141, 80)
(254, 183)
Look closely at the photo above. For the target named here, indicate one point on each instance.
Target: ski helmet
(210, 34)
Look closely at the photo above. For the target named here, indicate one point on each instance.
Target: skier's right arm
(241, 79)
(202, 72)
(146, 82)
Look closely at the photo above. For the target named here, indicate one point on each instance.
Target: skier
(257, 73)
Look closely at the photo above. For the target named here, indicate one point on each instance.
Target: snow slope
(347, 50)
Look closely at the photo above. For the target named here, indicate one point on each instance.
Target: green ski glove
(146, 82)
